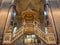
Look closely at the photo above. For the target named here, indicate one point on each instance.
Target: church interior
(29, 22)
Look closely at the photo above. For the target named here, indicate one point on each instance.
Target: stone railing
(40, 33)
(48, 38)
(18, 33)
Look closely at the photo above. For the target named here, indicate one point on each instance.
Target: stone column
(51, 30)
(8, 31)
(50, 36)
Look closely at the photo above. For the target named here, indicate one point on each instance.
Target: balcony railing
(38, 32)
(41, 34)
(18, 33)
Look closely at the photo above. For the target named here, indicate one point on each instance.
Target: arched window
(46, 14)
(13, 14)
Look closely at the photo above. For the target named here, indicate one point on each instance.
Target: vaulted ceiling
(35, 5)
